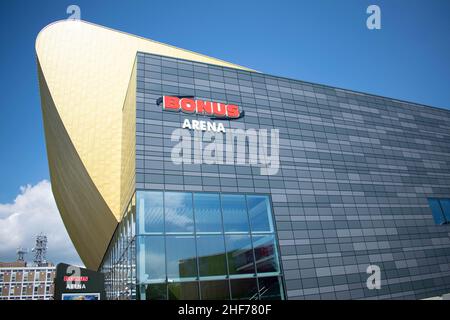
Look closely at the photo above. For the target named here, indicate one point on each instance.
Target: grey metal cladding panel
(355, 174)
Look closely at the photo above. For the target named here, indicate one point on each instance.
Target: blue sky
(319, 41)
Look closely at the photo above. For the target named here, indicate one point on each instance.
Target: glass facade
(356, 172)
(204, 245)
(194, 246)
(440, 209)
(119, 263)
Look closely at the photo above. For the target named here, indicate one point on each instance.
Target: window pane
(183, 291)
(178, 209)
(234, 213)
(445, 205)
(436, 211)
(152, 263)
(244, 289)
(181, 257)
(265, 254)
(156, 291)
(259, 212)
(133, 220)
(270, 288)
(150, 208)
(240, 254)
(215, 290)
(207, 212)
(211, 255)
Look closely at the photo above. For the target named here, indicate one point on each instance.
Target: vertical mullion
(199, 290)
(225, 246)
(253, 248)
(444, 218)
(165, 242)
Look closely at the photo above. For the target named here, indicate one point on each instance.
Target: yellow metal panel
(88, 219)
(85, 71)
(128, 160)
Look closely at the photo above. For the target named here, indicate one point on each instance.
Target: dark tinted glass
(240, 254)
(445, 205)
(270, 288)
(156, 291)
(183, 291)
(244, 289)
(436, 210)
(181, 257)
(215, 290)
(265, 254)
(211, 255)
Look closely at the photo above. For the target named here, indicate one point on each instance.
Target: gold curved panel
(85, 73)
(87, 217)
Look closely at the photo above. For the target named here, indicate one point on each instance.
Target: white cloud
(32, 212)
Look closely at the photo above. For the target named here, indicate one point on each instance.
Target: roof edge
(135, 36)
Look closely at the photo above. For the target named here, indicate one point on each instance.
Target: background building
(363, 179)
(20, 280)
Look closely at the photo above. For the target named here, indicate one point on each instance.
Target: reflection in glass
(184, 236)
(207, 212)
(265, 254)
(240, 254)
(133, 217)
(155, 291)
(234, 213)
(152, 263)
(244, 289)
(215, 290)
(150, 209)
(259, 212)
(270, 288)
(178, 212)
(436, 210)
(183, 291)
(211, 255)
(181, 257)
(445, 204)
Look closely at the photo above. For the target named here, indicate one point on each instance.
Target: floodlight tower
(21, 252)
(40, 250)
